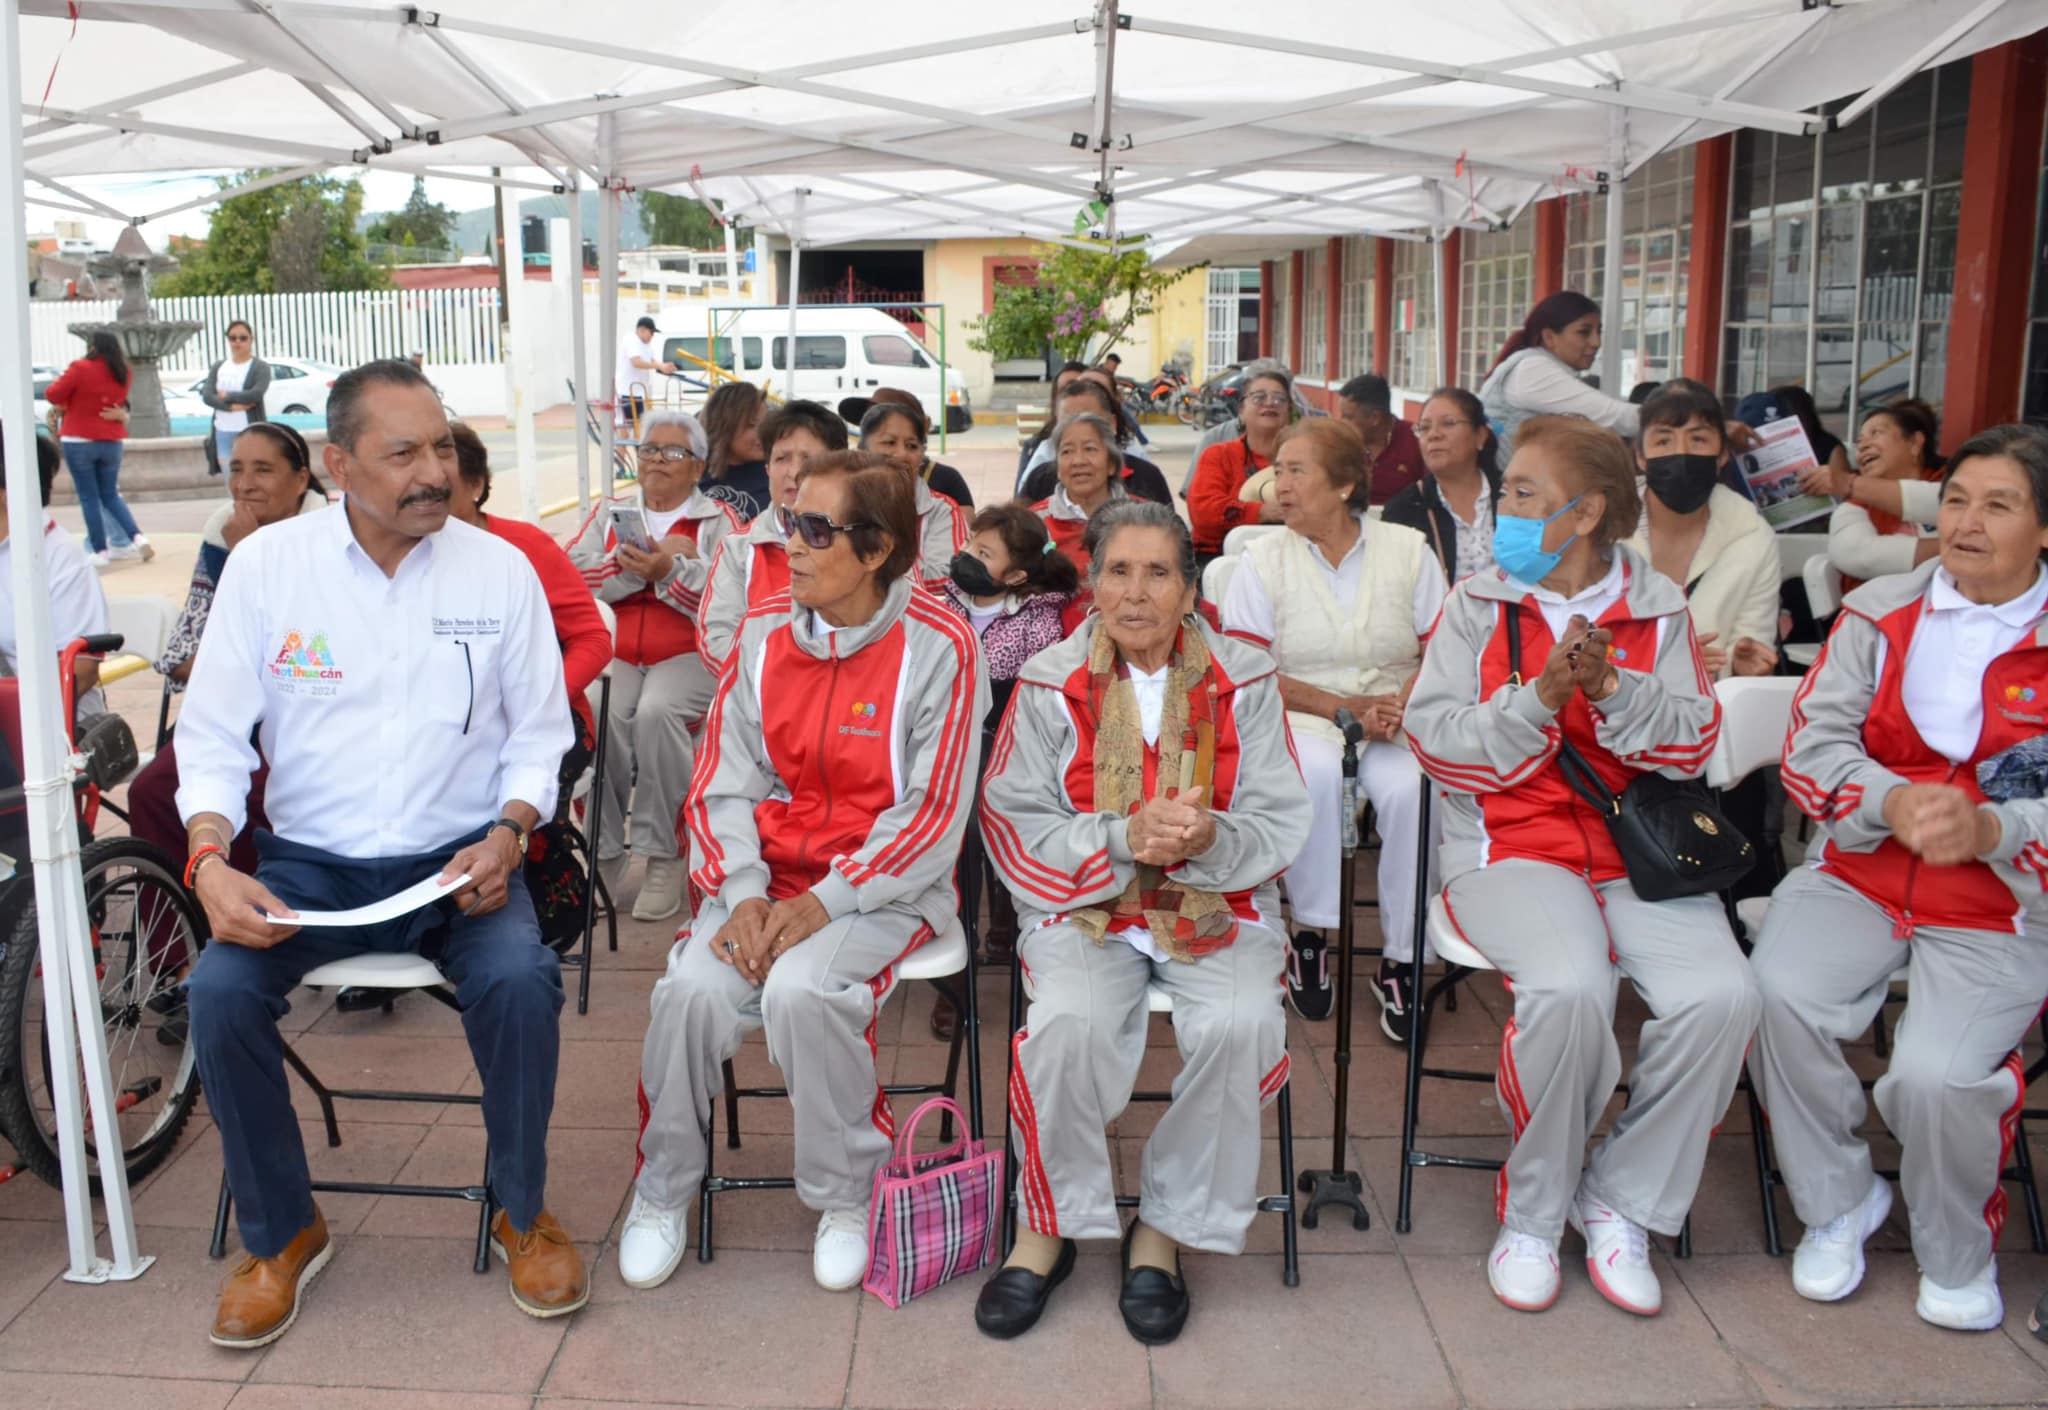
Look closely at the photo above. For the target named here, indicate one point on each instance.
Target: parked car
(298, 387)
(840, 352)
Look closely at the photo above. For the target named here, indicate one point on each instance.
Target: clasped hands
(757, 934)
(1578, 662)
(1940, 823)
(1171, 828)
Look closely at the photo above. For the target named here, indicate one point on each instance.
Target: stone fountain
(146, 341)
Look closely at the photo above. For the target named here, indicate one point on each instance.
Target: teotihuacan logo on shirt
(302, 659)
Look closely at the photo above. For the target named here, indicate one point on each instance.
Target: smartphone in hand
(629, 523)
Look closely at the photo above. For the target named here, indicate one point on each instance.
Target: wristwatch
(519, 834)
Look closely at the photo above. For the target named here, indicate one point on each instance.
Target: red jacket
(86, 388)
(1213, 506)
(659, 620)
(586, 645)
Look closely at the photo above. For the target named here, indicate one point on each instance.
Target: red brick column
(1706, 303)
(1450, 268)
(1333, 312)
(1382, 305)
(1547, 275)
(1995, 241)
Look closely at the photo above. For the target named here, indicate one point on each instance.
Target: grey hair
(1139, 514)
(692, 429)
(1105, 430)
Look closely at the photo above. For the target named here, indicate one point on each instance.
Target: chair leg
(219, 1247)
(956, 997)
(732, 1109)
(2030, 1192)
(1009, 1126)
(1684, 1249)
(705, 1192)
(484, 1215)
(970, 1020)
(1880, 1034)
(1290, 1252)
(1418, 1036)
(1766, 1186)
(320, 1093)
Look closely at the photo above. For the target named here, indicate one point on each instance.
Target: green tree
(295, 237)
(1083, 298)
(677, 220)
(421, 223)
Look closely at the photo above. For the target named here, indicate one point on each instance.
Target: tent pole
(74, 1027)
(1610, 293)
(607, 285)
(579, 349)
(796, 257)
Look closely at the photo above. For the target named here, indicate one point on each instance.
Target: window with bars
(1842, 252)
(1354, 308)
(1231, 324)
(1315, 309)
(1656, 224)
(1494, 294)
(1412, 361)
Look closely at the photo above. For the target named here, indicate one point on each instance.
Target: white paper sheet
(390, 908)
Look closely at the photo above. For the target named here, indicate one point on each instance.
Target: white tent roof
(972, 118)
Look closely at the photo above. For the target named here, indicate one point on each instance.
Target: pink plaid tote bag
(936, 1215)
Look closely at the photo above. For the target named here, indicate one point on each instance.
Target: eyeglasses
(817, 530)
(669, 455)
(1423, 428)
(1266, 399)
(238, 337)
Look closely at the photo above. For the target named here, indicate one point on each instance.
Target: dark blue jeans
(96, 470)
(508, 984)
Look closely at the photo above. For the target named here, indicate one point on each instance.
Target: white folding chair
(946, 961)
(145, 624)
(1795, 550)
(1823, 597)
(1216, 578)
(1240, 538)
(377, 971)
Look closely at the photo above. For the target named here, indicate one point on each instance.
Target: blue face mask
(1518, 546)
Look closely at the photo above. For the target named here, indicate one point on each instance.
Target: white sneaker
(650, 1244)
(839, 1254)
(126, 552)
(1617, 1256)
(661, 890)
(1522, 1270)
(1973, 1307)
(98, 559)
(143, 547)
(1828, 1264)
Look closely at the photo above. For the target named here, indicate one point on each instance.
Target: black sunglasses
(817, 529)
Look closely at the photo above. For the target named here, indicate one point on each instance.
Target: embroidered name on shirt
(468, 626)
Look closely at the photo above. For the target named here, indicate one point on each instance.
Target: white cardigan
(1732, 587)
(1860, 551)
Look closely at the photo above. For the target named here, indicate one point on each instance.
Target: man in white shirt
(638, 364)
(399, 672)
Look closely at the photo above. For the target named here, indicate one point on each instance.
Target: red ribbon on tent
(72, 6)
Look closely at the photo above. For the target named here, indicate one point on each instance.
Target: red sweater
(586, 645)
(86, 388)
(1213, 506)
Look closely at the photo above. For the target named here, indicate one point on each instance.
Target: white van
(840, 352)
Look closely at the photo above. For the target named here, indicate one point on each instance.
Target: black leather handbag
(1672, 838)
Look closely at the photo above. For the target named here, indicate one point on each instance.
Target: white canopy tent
(1271, 126)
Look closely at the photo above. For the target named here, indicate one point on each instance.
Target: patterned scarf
(1185, 922)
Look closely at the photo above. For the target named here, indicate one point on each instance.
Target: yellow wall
(952, 276)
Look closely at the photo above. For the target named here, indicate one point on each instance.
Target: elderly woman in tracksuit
(1916, 744)
(751, 568)
(660, 684)
(825, 820)
(1534, 882)
(1141, 800)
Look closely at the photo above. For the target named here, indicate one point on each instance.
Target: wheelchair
(147, 931)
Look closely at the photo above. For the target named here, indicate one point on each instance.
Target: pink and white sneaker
(1522, 1270)
(1617, 1256)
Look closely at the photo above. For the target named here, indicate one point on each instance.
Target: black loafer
(1013, 1300)
(1154, 1303)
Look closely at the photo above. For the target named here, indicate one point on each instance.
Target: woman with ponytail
(1539, 367)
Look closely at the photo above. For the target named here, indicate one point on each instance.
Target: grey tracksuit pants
(1563, 945)
(651, 752)
(1952, 1092)
(819, 1007)
(1076, 1062)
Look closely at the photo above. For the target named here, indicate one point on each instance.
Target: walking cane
(1337, 1185)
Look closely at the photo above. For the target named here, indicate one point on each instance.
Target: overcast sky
(382, 190)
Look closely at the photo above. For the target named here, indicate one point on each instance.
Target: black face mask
(972, 576)
(1683, 482)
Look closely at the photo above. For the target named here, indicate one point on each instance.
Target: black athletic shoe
(1397, 999)
(2037, 1320)
(1308, 975)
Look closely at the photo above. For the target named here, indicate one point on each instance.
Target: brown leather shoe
(261, 1297)
(945, 1018)
(547, 1272)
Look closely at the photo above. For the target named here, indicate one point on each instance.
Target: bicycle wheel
(146, 934)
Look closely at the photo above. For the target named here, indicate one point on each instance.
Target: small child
(1011, 584)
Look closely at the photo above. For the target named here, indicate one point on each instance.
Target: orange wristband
(210, 849)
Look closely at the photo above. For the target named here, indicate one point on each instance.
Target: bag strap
(1579, 775)
(907, 1137)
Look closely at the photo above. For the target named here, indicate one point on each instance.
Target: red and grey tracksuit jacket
(841, 762)
(748, 570)
(654, 620)
(1851, 742)
(1058, 852)
(1491, 744)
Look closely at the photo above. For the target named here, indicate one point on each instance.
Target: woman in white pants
(1343, 603)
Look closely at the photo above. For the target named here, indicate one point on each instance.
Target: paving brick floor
(1380, 1319)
